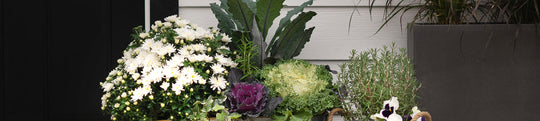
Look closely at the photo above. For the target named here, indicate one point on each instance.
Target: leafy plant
(246, 16)
(373, 76)
(306, 89)
(463, 11)
(247, 51)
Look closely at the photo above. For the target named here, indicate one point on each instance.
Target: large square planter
(477, 72)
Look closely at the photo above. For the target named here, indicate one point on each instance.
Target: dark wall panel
(160, 9)
(78, 50)
(2, 71)
(24, 58)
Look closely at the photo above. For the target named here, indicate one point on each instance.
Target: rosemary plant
(374, 76)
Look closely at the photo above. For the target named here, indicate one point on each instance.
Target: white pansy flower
(218, 83)
(165, 86)
(171, 18)
(107, 86)
(389, 111)
(217, 69)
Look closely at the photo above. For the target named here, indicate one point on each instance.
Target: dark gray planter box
(477, 72)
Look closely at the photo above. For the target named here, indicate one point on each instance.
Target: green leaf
(267, 11)
(218, 107)
(286, 20)
(241, 12)
(296, 44)
(235, 115)
(259, 44)
(302, 116)
(292, 34)
(226, 24)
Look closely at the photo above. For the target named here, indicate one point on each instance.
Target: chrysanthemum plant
(175, 71)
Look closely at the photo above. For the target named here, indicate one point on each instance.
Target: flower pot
(489, 69)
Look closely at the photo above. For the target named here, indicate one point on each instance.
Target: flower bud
(164, 40)
(127, 103)
(151, 97)
(120, 61)
(135, 103)
(127, 108)
(176, 41)
(162, 105)
(209, 49)
(207, 71)
(186, 96)
(168, 94)
(191, 89)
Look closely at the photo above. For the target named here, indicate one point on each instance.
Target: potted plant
(176, 71)
(370, 77)
(470, 51)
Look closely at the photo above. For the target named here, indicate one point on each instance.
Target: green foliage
(306, 89)
(246, 16)
(376, 75)
(247, 52)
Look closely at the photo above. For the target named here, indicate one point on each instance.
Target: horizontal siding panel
(205, 3)
(330, 39)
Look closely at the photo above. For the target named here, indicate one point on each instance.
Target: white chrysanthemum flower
(165, 86)
(224, 47)
(171, 71)
(182, 23)
(116, 81)
(113, 72)
(156, 75)
(158, 23)
(137, 94)
(136, 76)
(146, 89)
(177, 88)
(185, 51)
(208, 59)
(198, 48)
(143, 35)
(171, 18)
(217, 69)
(197, 58)
(225, 38)
(200, 32)
(167, 24)
(225, 61)
(147, 44)
(176, 60)
(107, 86)
(154, 27)
(218, 83)
(104, 98)
(188, 34)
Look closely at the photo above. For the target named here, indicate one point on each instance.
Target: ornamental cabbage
(306, 89)
(247, 99)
